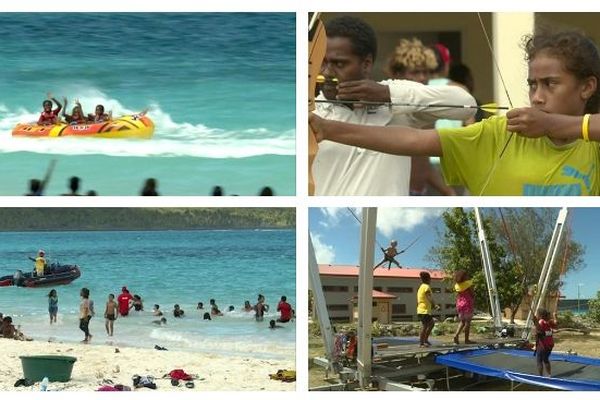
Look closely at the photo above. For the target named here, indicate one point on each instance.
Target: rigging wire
(399, 251)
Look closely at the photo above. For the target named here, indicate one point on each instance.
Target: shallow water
(166, 268)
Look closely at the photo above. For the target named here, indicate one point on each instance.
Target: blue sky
(336, 236)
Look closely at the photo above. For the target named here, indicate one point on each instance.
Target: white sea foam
(171, 138)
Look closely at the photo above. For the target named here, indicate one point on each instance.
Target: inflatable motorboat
(129, 126)
(55, 274)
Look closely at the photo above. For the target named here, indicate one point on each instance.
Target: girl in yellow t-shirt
(424, 306)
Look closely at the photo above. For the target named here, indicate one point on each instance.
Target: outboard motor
(18, 279)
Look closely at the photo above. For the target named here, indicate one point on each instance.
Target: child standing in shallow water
(465, 301)
(52, 305)
(544, 342)
(110, 314)
(85, 314)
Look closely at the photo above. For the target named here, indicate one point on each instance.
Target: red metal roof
(394, 272)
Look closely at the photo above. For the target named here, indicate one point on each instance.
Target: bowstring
(510, 136)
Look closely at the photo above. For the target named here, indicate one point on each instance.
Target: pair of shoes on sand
(189, 384)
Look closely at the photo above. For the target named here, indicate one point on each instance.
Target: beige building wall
(506, 31)
(390, 27)
(339, 292)
(382, 310)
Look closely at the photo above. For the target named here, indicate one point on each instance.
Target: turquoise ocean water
(220, 88)
(166, 268)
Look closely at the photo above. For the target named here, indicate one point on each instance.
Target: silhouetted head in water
(150, 187)
(267, 191)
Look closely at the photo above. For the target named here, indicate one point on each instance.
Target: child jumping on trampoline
(389, 255)
(544, 341)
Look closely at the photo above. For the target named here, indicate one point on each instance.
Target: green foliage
(566, 320)
(377, 329)
(594, 309)
(518, 240)
(407, 330)
(526, 234)
(459, 250)
(442, 328)
(42, 219)
(481, 329)
(314, 329)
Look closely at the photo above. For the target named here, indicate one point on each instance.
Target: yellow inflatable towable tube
(129, 126)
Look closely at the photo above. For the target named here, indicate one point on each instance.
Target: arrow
(489, 107)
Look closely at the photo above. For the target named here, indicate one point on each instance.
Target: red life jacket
(48, 118)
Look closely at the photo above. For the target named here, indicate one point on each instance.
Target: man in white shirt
(341, 170)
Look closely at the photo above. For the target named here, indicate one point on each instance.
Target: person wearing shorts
(110, 314)
(424, 306)
(544, 344)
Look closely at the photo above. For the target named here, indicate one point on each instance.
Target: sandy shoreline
(96, 363)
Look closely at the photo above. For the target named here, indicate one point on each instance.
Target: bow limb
(317, 44)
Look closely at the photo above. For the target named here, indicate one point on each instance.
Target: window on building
(436, 290)
(398, 309)
(448, 290)
(335, 288)
(449, 306)
(356, 289)
(378, 288)
(337, 307)
(399, 290)
(398, 318)
(341, 319)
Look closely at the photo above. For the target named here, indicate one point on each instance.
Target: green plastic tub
(56, 368)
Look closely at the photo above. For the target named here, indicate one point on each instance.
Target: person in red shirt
(49, 116)
(544, 340)
(124, 299)
(285, 309)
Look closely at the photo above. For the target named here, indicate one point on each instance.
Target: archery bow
(317, 42)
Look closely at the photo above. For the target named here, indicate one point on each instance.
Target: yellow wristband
(585, 127)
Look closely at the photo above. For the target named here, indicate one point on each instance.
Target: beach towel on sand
(180, 374)
(115, 388)
(284, 375)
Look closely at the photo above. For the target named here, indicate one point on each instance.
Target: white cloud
(331, 216)
(405, 219)
(324, 253)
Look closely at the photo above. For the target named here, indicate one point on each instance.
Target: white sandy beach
(96, 363)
